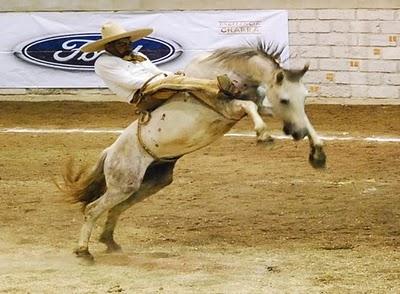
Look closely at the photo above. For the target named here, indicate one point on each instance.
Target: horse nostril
(297, 136)
(287, 129)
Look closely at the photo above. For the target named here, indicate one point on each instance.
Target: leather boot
(227, 87)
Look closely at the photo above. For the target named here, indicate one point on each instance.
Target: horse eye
(284, 101)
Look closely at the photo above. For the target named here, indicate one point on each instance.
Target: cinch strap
(144, 118)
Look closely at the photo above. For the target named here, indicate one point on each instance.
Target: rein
(138, 96)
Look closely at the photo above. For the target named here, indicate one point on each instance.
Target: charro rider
(134, 78)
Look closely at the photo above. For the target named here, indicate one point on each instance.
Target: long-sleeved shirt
(122, 77)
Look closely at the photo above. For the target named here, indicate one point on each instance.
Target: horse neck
(263, 67)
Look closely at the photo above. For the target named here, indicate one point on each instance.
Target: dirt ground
(238, 218)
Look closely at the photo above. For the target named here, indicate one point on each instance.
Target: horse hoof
(84, 255)
(317, 157)
(267, 141)
(115, 248)
(112, 246)
(318, 163)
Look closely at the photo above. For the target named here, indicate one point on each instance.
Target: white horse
(141, 161)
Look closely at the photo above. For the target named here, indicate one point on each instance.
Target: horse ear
(295, 75)
(305, 68)
(279, 77)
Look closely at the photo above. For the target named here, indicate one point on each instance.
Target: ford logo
(62, 51)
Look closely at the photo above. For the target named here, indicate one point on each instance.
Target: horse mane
(271, 51)
(251, 62)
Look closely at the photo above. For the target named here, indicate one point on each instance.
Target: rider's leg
(183, 83)
(156, 92)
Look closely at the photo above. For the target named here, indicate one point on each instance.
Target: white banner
(41, 50)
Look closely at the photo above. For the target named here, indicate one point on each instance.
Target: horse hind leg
(92, 212)
(157, 176)
(119, 189)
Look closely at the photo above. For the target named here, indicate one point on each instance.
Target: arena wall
(353, 47)
(353, 52)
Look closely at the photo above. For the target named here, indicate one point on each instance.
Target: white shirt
(124, 77)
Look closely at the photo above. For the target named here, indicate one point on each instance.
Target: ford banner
(62, 51)
(42, 50)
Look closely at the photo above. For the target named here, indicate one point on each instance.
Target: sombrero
(111, 31)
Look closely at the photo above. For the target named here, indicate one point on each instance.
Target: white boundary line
(237, 134)
(59, 131)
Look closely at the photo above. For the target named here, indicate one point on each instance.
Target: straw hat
(111, 31)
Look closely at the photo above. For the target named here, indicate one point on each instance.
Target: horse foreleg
(260, 126)
(158, 176)
(317, 157)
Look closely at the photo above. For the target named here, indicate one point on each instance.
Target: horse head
(286, 94)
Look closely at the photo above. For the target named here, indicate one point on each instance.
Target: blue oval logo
(62, 51)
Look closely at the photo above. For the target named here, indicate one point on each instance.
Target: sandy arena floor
(239, 217)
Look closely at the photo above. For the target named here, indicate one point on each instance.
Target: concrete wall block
(383, 92)
(338, 39)
(384, 66)
(336, 14)
(302, 14)
(392, 79)
(360, 78)
(390, 27)
(342, 52)
(314, 77)
(391, 53)
(334, 64)
(353, 52)
(375, 40)
(359, 91)
(314, 26)
(302, 39)
(292, 26)
(332, 90)
(312, 51)
(366, 14)
(365, 27)
(342, 77)
(340, 26)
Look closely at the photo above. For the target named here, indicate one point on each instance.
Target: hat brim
(100, 44)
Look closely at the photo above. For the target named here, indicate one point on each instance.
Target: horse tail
(84, 185)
